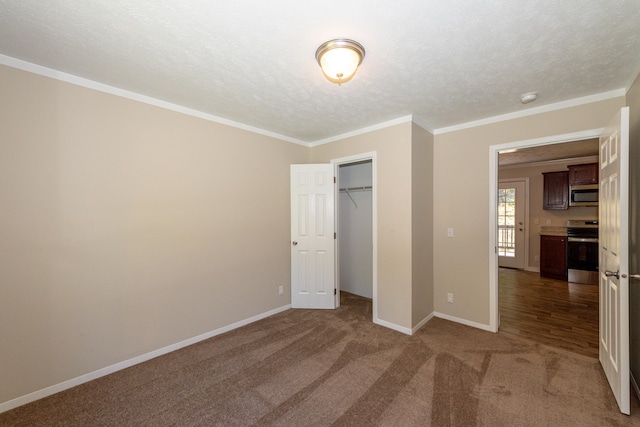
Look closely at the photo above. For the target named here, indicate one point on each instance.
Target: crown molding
(112, 90)
(101, 87)
(633, 80)
(423, 124)
(368, 129)
(533, 111)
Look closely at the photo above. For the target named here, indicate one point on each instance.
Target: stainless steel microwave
(583, 195)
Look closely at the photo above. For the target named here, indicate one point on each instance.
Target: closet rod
(357, 188)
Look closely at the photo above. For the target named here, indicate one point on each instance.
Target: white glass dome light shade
(339, 59)
(340, 64)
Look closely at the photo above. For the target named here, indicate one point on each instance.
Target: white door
(511, 224)
(614, 257)
(312, 236)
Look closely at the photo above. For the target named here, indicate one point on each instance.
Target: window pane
(506, 221)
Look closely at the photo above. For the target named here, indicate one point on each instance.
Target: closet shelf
(350, 189)
(367, 188)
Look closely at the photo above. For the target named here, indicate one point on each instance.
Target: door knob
(294, 243)
(615, 274)
(631, 276)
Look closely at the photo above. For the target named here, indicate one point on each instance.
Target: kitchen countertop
(551, 230)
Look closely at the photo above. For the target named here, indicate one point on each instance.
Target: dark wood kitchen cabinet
(583, 174)
(556, 190)
(553, 257)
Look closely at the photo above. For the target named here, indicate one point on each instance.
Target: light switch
(450, 232)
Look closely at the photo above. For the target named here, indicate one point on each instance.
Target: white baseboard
(402, 329)
(31, 397)
(392, 326)
(533, 269)
(422, 322)
(464, 321)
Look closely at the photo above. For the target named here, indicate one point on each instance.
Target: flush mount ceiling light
(339, 59)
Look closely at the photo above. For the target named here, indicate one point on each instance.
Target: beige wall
(544, 217)
(461, 200)
(633, 101)
(393, 148)
(421, 224)
(126, 228)
(404, 155)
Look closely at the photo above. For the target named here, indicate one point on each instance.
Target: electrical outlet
(450, 298)
(450, 232)
(536, 258)
(280, 290)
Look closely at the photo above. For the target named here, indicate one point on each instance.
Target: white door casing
(312, 236)
(614, 257)
(520, 231)
(362, 157)
(494, 151)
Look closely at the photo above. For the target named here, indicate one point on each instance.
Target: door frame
(526, 216)
(494, 150)
(369, 156)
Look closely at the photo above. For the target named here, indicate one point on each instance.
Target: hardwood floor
(549, 311)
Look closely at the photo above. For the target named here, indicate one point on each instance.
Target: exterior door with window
(511, 223)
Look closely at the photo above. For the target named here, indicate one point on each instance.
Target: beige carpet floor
(336, 368)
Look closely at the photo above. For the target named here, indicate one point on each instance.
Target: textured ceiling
(445, 62)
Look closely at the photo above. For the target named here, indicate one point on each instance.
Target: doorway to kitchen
(554, 312)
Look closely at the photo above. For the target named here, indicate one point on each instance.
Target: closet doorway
(356, 225)
(355, 245)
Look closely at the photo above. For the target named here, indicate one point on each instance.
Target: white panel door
(614, 257)
(511, 225)
(312, 236)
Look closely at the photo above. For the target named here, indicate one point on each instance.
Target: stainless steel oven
(582, 251)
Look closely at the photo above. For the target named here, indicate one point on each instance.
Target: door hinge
(335, 236)
(335, 291)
